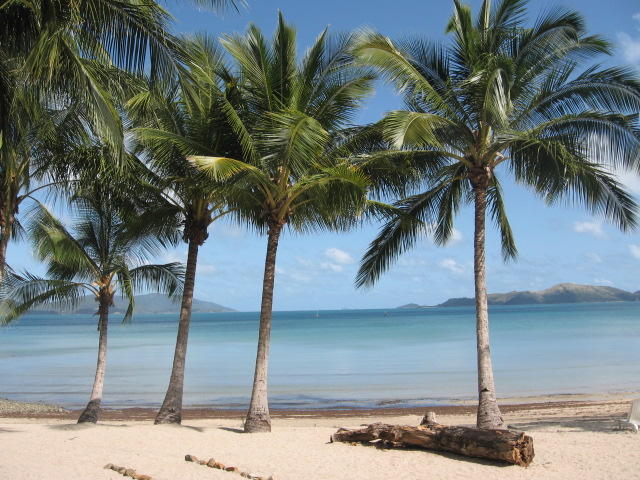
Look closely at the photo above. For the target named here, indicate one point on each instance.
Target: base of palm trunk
(91, 413)
(168, 415)
(489, 415)
(257, 423)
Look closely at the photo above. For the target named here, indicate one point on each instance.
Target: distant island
(145, 304)
(561, 293)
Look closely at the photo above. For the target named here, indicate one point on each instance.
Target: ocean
(330, 358)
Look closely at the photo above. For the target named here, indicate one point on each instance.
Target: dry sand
(572, 441)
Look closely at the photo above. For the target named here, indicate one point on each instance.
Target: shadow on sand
(599, 424)
(83, 426)
(231, 429)
(9, 430)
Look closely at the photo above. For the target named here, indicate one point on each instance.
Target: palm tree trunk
(5, 235)
(489, 415)
(171, 410)
(258, 418)
(4, 243)
(92, 410)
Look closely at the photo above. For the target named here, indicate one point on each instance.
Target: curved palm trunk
(5, 236)
(171, 410)
(92, 410)
(258, 418)
(489, 415)
(4, 243)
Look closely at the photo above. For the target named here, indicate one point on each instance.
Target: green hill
(150, 303)
(562, 293)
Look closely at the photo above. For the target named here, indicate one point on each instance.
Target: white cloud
(298, 276)
(334, 267)
(635, 251)
(594, 257)
(603, 281)
(630, 45)
(338, 256)
(206, 268)
(631, 180)
(456, 236)
(451, 265)
(590, 228)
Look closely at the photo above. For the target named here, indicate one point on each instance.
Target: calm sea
(329, 358)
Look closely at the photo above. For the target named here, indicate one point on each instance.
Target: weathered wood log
(503, 445)
(429, 418)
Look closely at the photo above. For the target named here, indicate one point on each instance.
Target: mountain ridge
(145, 304)
(560, 293)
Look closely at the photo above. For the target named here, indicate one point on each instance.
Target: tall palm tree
(57, 57)
(63, 56)
(105, 250)
(292, 172)
(501, 97)
(66, 52)
(173, 121)
(27, 162)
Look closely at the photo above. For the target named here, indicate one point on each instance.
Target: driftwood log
(503, 445)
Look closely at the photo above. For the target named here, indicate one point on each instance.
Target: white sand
(570, 443)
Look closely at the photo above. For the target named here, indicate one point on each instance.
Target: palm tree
(502, 97)
(292, 172)
(68, 52)
(174, 120)
(105, 251)
(27, 162)
(61, 57)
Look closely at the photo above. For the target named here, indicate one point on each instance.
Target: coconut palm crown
(502, 98)
(292, 171)
(172, 121)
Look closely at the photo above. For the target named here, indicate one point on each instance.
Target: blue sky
(557, 244)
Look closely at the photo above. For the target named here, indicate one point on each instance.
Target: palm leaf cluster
(149, 137)
(289, 117)
(101, 251)
(500, 98)
(503, 98)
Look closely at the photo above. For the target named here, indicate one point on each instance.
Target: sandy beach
(573, 440)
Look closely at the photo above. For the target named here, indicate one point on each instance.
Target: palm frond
(26, 291)
(165, 278)
(412, 218)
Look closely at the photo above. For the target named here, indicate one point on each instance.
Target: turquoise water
(330, 358)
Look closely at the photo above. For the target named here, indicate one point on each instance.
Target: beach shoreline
(17, 409)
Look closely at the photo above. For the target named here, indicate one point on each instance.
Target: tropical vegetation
(294, 170)
(172, 121)
(149, 137)
(503, 98)
(104, 251)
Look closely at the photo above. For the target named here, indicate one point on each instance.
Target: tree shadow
(452, 456)
(231, 429)
(600, 424)
(9, 430)
(192, 427)
(84, 426)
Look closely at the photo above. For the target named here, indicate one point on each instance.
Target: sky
(559, 243)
